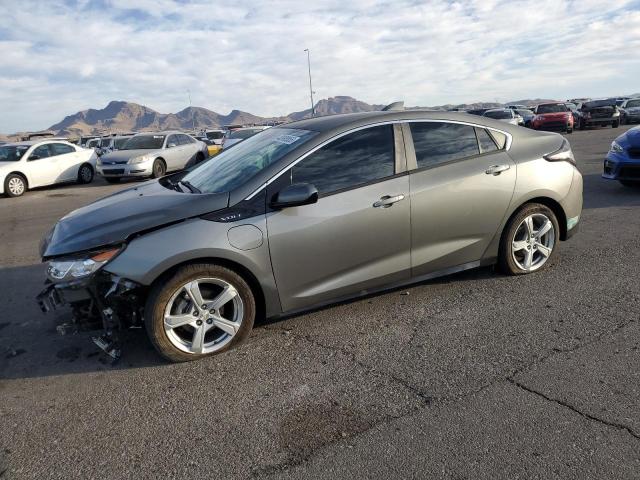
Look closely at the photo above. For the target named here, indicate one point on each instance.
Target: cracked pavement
(475, 375)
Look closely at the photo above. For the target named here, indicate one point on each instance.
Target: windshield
(12, 153)
(93, 143)
(499, 114)
(104, 143)
(144, 142)
(244, 134)
(552, 108)
(214, 135)
(633, 103)
(236, 166)
(524, 112)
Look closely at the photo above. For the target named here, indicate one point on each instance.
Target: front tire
(15, 185)
(85, 174)
(201, 310)
(529, 240)
(159, 168)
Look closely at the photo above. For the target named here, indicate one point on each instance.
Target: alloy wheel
(533, 242)
(203, 315)
(86, 174)
(16, 186)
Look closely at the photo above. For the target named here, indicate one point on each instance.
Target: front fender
(147, 257)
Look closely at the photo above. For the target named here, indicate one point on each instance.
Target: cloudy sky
(61, 56)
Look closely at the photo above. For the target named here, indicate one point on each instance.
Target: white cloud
(65, 56)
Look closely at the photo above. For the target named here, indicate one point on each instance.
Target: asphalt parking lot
(476, 375)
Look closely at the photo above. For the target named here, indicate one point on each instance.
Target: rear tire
(85, 174)
(15, 185)
(173, 318)
(529, 240)
(112, 179)
(159, 168)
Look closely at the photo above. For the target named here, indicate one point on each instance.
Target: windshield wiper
(191, 187)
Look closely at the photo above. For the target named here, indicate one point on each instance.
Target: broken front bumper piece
(99, 302)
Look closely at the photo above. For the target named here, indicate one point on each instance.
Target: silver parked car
(233, 137)
(508, 115)
(307, 214)
(152, 155)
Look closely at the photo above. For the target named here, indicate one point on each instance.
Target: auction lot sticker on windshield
(288, 139)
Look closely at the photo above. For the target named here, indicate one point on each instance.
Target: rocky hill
(121, 116)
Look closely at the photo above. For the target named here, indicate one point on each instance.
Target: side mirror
(294, 196)
(171, 145)
(33, 156)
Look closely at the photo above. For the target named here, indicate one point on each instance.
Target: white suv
(37, 163)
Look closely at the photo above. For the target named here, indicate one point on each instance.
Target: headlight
(615, 147)
(140, 159)
(70, 269)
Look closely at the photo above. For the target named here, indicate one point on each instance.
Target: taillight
(563, 154)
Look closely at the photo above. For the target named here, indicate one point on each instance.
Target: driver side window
(351, 161)
(40, 152)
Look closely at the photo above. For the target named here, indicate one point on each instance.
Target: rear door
(461, 186)
(173, 153)
(356, 238)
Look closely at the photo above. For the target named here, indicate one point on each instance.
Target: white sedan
(37, 163)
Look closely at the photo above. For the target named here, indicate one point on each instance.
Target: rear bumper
(600, 120)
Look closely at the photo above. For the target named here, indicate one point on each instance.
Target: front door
(356, 238)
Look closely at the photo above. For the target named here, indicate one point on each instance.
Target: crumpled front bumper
(102, 301)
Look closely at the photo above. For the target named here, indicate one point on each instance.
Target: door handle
(496, 169)
(387, 201)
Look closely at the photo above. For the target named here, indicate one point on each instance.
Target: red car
(553, 116)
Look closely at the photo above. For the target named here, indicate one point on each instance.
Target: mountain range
(122, 116)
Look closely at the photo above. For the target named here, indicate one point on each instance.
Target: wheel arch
(549, 202)
(238, 268)
(20, 174)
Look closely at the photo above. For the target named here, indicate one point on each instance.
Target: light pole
(313, 113)
(193, 122)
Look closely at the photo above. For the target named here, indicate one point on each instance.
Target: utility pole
(193, 122)
(313, 113)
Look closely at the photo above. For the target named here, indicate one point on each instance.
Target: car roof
(29, 143)
(348, 121)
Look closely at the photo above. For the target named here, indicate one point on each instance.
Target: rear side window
(440, 142)
(185, 139)
(486, 142)
(61, 148)
(500, 138)
(350, 161)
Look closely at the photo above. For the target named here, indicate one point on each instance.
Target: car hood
(631, 138)
(598, 104)
(8, 165)
(113, 219)
(122, 155)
